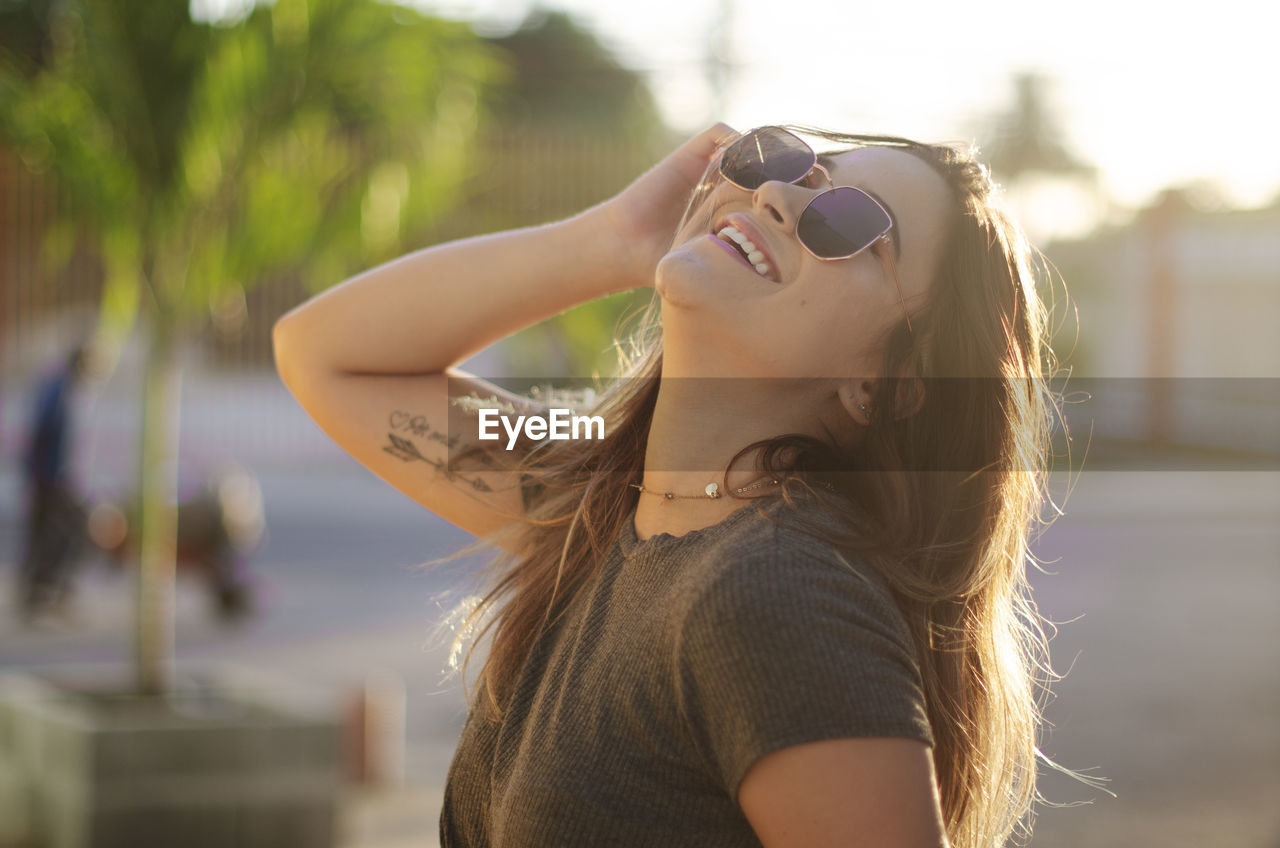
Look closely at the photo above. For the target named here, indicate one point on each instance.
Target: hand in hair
(646, 213)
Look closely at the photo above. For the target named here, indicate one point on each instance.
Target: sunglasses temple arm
(893, 266)
(893, 271)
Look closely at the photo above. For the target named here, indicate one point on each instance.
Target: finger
(707, 142)
(722, 133)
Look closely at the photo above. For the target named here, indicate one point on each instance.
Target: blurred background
(175, 176)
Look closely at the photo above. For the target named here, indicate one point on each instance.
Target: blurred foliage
(569, 126)
(536, 175)
(310, 137)
(306, 138)
(563, 76)
(314, 139)
(24, 29)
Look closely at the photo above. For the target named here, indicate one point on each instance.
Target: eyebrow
(828, 162)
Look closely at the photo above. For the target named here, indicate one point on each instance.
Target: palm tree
(1027, 138)
(308, 137)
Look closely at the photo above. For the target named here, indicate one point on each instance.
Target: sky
(1154, 95)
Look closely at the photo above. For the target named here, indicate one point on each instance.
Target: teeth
(754, 256)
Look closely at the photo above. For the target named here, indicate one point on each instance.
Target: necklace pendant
(713, 490)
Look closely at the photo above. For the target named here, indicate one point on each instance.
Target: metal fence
(520, 178)
(39, 304)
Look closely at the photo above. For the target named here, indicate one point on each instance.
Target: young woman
(782, 600)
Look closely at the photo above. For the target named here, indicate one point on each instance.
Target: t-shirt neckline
(632, 544)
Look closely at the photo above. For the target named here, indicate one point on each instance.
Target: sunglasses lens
(766, 154)
(841, 222)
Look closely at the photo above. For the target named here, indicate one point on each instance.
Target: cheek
(834, 319)
(705, 204)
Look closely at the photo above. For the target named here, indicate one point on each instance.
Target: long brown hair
(944, 500)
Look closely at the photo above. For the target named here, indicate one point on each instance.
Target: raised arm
(373, 360)
(436, 307)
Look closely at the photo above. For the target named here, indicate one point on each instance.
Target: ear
(858, 397)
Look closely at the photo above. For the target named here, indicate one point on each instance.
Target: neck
(698, 425)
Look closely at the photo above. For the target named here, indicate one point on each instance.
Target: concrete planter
(224, 761)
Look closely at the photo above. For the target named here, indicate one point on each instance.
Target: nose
(780, 202)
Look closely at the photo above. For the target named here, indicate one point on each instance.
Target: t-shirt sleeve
(781, 648)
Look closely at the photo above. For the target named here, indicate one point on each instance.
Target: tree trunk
(157, 488)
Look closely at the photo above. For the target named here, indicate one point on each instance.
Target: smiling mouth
(732, 250)
(737, 244)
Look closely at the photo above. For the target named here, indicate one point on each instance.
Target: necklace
(713, 489)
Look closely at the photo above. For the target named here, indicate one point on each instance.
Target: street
(1164, 584)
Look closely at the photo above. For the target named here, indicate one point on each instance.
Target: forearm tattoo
(404, 449)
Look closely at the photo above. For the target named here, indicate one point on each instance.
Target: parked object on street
(218, 527)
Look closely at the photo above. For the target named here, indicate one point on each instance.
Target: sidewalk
(394, 818)
(326, 666)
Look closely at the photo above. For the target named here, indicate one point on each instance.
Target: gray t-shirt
(684, 660)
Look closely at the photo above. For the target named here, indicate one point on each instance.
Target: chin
(682, 280)
(689, 277)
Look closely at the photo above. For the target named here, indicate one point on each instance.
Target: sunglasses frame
(883, 238)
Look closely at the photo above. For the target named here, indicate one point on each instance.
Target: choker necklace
(712, 490)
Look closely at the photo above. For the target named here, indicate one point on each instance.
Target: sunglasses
(839, 223)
